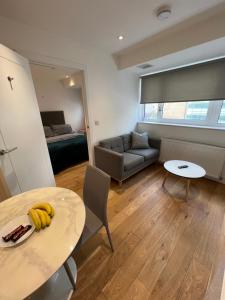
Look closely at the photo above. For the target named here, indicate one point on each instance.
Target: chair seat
(149, 153)
(92, 225)
(131, 160)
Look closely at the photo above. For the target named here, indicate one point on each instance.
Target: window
(222, 114)
(205, 113)
(186, 110)
(151, 111)
(197, 110)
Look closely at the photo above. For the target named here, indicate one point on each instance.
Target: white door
(7, 170)
(21, 127)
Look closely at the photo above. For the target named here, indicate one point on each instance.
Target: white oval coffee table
(192, 171)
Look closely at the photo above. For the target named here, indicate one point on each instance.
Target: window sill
(183, 125)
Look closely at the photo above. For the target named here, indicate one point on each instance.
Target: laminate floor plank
(165, 248)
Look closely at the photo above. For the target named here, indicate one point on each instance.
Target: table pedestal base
(58, 287)
(187, 185)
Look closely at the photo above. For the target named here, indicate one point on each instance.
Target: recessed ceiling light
(163, 12)
(67, 76)
(120, 37)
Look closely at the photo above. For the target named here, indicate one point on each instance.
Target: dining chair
(59, 284)
(95, 195)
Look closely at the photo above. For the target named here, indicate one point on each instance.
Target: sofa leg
(120, 183)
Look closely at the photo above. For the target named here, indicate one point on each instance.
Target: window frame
(211, 120)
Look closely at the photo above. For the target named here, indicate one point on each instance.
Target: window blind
(205, 81)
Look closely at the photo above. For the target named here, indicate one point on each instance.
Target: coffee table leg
(187, 188)
(166, 175)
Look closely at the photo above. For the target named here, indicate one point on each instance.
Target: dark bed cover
(64, 154)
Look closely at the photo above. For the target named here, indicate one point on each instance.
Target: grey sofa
(115, 156)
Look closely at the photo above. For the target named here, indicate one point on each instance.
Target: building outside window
(204, 113)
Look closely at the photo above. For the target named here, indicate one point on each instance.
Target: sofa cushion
(139, 140)
(114, 144)
(126, 141)
(150, 153)
(131, 161)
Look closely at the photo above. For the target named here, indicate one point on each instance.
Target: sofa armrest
(109, 161)
(155, 143)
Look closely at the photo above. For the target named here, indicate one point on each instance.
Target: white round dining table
(27, 266)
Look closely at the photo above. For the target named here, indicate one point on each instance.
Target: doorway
(61, 98)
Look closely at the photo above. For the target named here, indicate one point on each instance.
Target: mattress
(62, 137)
(68, 152)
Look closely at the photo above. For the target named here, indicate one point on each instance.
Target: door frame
(4, 190)
(62, 63)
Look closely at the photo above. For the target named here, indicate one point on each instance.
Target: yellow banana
(42, 217)
(48, 219)
(52, 213)
(35, 218)
(44, 206)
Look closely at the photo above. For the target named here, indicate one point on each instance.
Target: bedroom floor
(72, 178)
(165, 248)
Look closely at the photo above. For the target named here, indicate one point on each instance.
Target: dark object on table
(182, 167)
(19, 234)
(9, 236)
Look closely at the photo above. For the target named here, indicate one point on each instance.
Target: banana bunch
(41, 215)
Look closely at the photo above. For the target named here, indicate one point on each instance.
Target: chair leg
(109, 237)
(70, 275)
(78, 246)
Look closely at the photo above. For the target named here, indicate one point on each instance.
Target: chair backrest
(95, 192)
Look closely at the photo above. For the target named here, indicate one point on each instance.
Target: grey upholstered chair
(95, 194)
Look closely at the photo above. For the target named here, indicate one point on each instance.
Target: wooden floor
(166, 248)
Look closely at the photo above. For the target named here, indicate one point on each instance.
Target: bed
(66, 148)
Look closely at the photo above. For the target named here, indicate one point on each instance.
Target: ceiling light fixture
(72, 82)
(67, 76)
(163, 13)
(120, 37)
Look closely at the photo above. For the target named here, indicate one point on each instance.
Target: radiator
(211, 158)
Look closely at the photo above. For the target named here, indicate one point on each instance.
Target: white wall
(212, 137)
(199, 135)
(53, 95)
(112, 95)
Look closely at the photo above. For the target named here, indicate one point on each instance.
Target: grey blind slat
(200, 82)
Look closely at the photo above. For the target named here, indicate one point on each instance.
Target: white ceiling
(97, 23)
(207, 51)
(55, 73)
